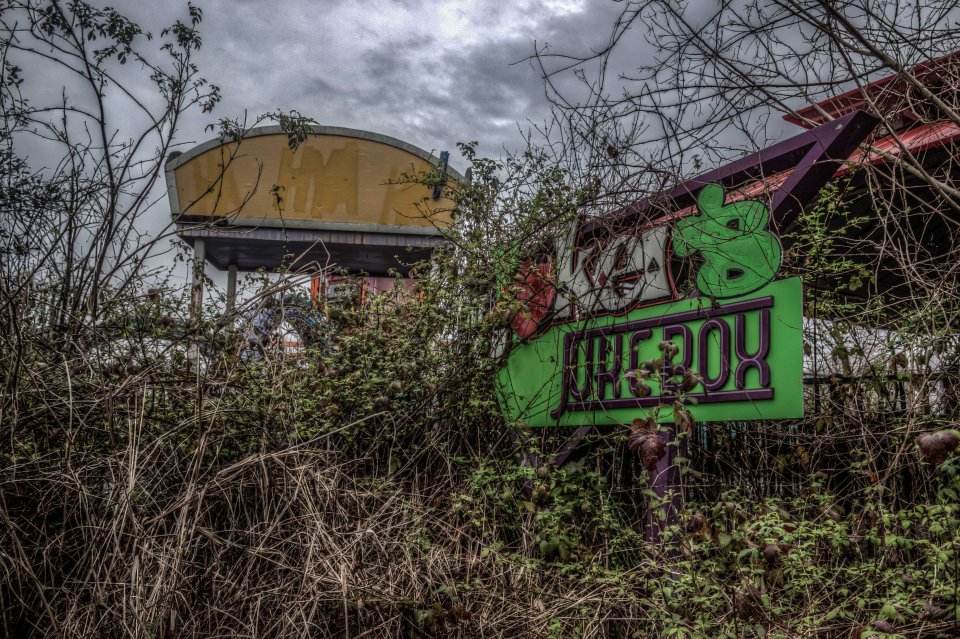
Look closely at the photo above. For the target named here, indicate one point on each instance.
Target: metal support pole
(196, 292)
(231, 286)
(666, 482)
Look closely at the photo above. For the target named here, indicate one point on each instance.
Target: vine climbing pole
(196, 295)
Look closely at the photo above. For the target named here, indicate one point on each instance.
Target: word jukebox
(601, 335)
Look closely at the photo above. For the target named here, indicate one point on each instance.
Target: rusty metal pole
(231, 286)
(666, 482)
(196, 294)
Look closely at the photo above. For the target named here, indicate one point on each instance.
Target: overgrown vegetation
(370, 487)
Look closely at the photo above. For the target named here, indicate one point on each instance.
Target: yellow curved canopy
(335, 179)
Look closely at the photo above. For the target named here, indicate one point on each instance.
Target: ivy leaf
(724, 540)
(888, 612)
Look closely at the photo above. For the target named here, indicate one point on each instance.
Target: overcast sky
(430, 73)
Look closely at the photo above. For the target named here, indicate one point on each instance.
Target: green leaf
(747, 551)
(888, 612)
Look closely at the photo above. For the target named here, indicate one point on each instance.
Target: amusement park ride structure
(339, 200)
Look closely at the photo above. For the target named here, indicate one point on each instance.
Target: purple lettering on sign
(757, 360)
(635, 339)
(598, 353)
(609, 373)
(582, 392)
(669, 369)
(712, 384)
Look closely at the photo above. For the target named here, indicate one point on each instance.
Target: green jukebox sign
(732, 352)
(603, 337)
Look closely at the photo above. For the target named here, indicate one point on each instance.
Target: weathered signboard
(603, 337)
(336, 178)
(339, 198)
(732, 352)
(734, 360)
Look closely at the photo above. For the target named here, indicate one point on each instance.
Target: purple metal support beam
(813, 156)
